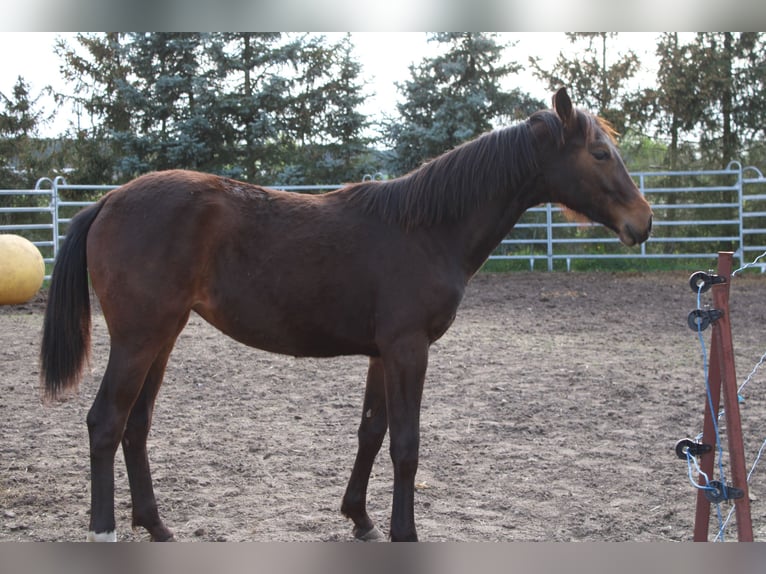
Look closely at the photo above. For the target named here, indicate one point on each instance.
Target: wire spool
(22, 270)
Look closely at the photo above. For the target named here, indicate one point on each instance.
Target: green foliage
(452, 98)
(733, 84)
(595, 76)
(23, 155)
(284, 108)
(270, 107)
(632, 265)
(327, 143)
(671, 106)
(642, 153)
(710, 98)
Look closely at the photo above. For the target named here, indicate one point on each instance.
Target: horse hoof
(372, 535)
(110, 536)
(169, 537)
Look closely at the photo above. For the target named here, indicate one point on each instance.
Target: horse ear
(563, 106)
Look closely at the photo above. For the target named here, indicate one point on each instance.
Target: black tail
(66, 330)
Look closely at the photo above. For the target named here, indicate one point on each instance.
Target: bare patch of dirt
(551, 411)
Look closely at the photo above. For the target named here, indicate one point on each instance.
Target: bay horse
(376, 268)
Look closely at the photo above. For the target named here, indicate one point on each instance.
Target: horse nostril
(649, 227)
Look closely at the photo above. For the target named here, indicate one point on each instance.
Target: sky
(385, 57)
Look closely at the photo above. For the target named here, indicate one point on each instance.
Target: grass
(633, 265)
(628, 265)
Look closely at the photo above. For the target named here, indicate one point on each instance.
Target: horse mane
(448, 187)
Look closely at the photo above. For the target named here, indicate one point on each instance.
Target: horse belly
(293, 329)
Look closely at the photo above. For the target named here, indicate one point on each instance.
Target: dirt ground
(551, 412)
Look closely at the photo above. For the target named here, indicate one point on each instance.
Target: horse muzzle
(631, 234)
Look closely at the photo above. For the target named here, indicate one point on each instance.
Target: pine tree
(24, 158)
(454, 97)
(169, 94)
(672, 107)
(251, 92)
(22, 154)
(595, 78)
(732, 84)
(266, 107)
(97, 71)
(328, 140)
(293, 107)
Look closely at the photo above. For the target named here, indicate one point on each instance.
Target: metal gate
(697, 214)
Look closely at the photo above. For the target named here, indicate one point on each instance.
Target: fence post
(51, 210)
(731, 399)
(741, 209)
(549, 234)
(59, 180)
(707, 459)
(722, 378)
(643, 194)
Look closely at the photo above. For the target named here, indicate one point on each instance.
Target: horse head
(587, 175)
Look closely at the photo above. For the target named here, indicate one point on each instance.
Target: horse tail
(65, 346)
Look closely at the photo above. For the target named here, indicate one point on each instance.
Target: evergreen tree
(709, 99)
(97, 71)
(732, 85)
(293, 107)
(241, 104)
(250, 95)
(24, 157)
(671, 109)
(595, 78)
(169, 94)
(328, 143)
(454, 97)
(22, 153)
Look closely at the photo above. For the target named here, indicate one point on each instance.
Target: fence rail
(697, 214)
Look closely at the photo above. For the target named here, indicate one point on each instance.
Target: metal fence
(697, 214)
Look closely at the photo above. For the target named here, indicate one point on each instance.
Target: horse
(375, 268)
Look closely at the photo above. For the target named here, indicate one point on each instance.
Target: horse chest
(429, 309)
(440, 325)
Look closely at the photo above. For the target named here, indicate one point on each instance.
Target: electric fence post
(722, 382)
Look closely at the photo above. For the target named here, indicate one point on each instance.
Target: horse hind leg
(144, 504)
(371, 432)
(106, 421)
(121, 412)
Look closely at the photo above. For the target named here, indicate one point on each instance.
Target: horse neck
(474, 194)
(482, 231)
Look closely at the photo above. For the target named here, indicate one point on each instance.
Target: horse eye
(600, 154)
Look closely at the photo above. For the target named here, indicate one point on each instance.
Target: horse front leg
(405, 368)
(372, 430)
